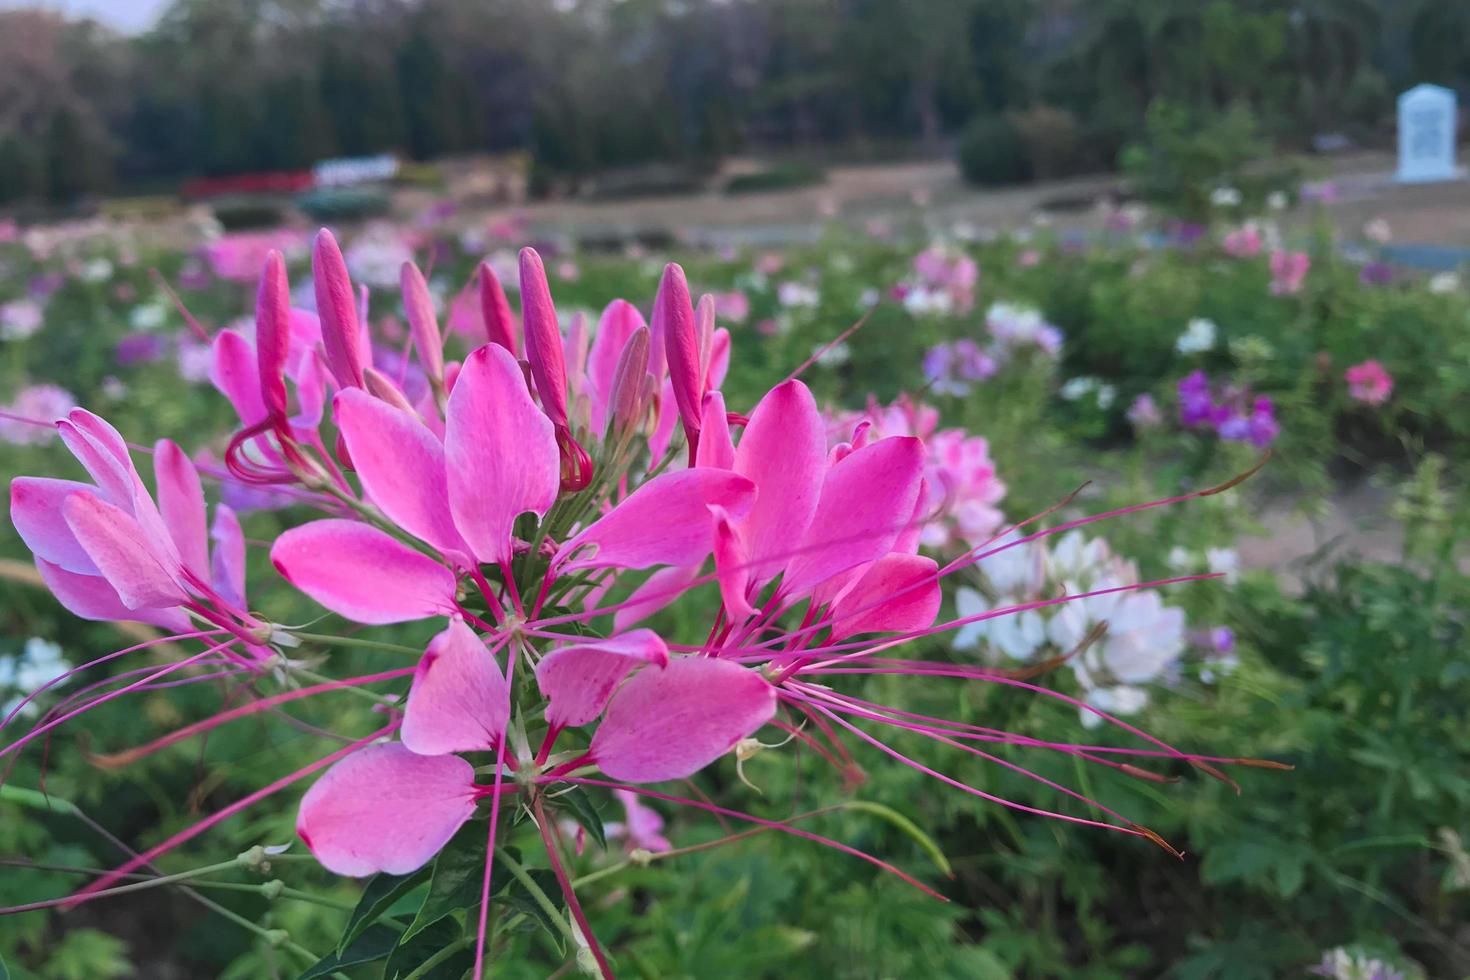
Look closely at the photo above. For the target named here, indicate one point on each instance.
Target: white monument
(1427, 135)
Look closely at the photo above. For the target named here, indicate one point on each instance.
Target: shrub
(240, 214)
(991, 152)
(780, 177)
(344, 203)
(1052, 141)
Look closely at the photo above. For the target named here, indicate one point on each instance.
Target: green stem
(428, 965)
(518, 871)
(316, 678)
(352, 641)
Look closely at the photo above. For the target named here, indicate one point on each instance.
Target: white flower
(97, 270)
(922, 301)
(1118, 700)
(869, 299)
(1017, 571)
(39, 664)
(147, 316)
(1444, 282)
(1224, 561)
(1106, 395)
(1017, 635)
(1077, 387)
(793, 294)
(1144, 637)
(1225, 197)
(1276, 200)
(1378, 231)
(834, 356)
(1198, 336)
(1180, 559)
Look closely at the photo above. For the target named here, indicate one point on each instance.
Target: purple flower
(140, 348)
(1144, 412)
(972, 363)
(1376, 274)
(1263, 426)
(1196, 406)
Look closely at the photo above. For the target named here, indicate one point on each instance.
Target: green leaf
(410, 953)
(375, 942)
(903, 823)
(4, 971)
(458, 875)
(379, 895)
(576, 802)
(519, 897)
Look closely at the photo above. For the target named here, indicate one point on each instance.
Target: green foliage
(776, 178)
(991, 152)
(1187, 154)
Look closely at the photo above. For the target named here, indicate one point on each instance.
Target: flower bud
(273, 333)
(423, 325)
(543, 338)
(500, 322)
(681, 344)
(625, 401)
(336, 305)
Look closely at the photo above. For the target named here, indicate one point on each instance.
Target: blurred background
(1130, 244)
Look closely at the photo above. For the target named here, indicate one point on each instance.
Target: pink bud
(704, 331)
(273, 333)
(500, 323)
(380, 386)
(422, 323)
(671, 309)
(543, 338)
(336, 305)
(626, 398)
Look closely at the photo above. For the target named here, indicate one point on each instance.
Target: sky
(125, 15)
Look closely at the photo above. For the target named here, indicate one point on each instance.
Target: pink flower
(1243, 242)
(1369, 382)
(30, 418)
(733, 306)
(1288, 270)
(238, 256)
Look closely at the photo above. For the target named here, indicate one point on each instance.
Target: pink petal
(90, 597)
(311, 393)
(666, 521)
(681, 345)
(103, 453)
(227, 564)
(384, 808)
(459, 701)
(716, 448)
(732, 565)
(499, 450)
(784, 451)
(401, 465)
(719, 359)
(35, 510)
(671, 723)
(273, 332)
(423, 325)
(579, 679)
(618, 323)
(360, 572)
(235, 374)
(543, 337)
(668, 416)
(181, 503)
(500, 322)
(337, 307)
(122, 552)
(656, 592)
(867, 499)
(897, 593)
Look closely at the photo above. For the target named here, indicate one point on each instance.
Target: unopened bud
(625, 399)
(272, 889)
(423, 325)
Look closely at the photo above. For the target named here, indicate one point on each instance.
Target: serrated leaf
(375, 942)
(410, 953)
(379, 895)
(519, 897)
(458, 875)
(576, 802)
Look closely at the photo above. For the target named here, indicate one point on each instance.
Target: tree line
(220, 87)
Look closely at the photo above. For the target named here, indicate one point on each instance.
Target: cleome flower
(538, 501)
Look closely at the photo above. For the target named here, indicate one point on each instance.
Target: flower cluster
(953, 367)
(1122, 640)
(1289, 272)
(1369, 382)
(944, 282)
(536, 502)
(961, 490)
(1232, 412)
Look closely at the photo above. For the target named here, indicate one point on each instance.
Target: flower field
(869, 608)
